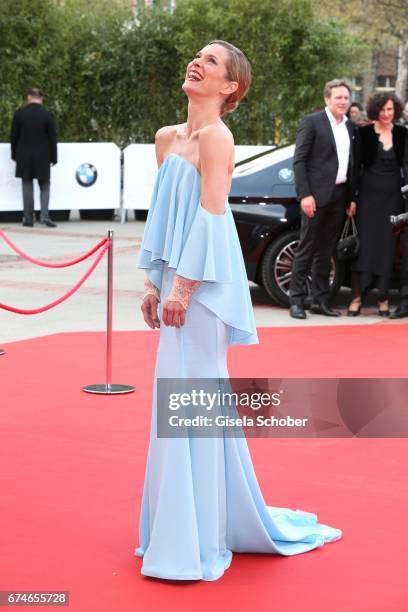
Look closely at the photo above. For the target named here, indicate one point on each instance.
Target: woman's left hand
(173, 314)
(351, 211)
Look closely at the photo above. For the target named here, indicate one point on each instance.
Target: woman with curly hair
(380, 152)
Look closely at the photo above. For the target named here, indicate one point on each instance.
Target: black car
(267, 216)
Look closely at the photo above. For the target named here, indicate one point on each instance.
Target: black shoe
(28, 224)
(297, 312)
(384, 313)
(399, 313)
(323, 309)
(354, 313)
(48, 223)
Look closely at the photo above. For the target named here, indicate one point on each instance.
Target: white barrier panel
(11, 197)
(140, 169)
(87, 176)
(139, 173)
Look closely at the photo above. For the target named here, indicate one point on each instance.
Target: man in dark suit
(323, 166)
(34, 149)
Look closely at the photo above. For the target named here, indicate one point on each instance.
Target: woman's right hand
(150, 312)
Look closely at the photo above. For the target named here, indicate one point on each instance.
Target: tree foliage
(110, 76)
(292, 54)
(375, 20)
(382, 24)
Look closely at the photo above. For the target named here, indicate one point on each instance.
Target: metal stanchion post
(2, 352)
(109, 388)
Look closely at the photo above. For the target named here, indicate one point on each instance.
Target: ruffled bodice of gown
(198, 245)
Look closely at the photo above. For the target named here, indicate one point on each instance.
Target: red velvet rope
(52, 265)
(67, 295)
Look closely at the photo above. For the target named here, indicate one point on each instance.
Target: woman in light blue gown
(201, 499)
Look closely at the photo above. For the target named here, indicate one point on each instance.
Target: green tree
(293, 53)
(111, 76)
(383, 25)
(28, 56)
(84, 94)
(142, 68)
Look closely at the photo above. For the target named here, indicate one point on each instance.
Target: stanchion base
(110, 389)
(2, 352)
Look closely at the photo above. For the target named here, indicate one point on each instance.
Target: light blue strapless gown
(201, 498)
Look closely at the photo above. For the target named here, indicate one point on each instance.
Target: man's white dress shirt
(342, 138)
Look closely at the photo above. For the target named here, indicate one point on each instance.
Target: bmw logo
(86, 175)
(286, 175)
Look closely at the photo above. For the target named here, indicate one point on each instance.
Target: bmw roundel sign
(286, 175)
(86, 175)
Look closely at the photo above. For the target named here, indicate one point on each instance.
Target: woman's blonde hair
(239, 70)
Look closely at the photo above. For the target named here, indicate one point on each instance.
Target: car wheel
(276, 269)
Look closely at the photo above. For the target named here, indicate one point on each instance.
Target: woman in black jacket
(380, 152)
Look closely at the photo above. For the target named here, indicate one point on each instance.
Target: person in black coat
(402, 309)
(381, 147)
(324, 178)
(34, 149)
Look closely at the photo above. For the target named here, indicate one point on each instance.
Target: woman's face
(354, 113)
(206, 74)
(386, 114)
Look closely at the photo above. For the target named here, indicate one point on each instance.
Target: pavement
(25, 285)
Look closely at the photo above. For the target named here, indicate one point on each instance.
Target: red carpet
(72, 468)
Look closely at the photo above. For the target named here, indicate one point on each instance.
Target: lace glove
(182, 290)
(150, 289)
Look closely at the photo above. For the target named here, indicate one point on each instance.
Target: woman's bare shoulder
(216, 140)
(216, 132)
(168, 133)
(164, 139)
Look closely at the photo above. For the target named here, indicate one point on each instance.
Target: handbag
(349, 243)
